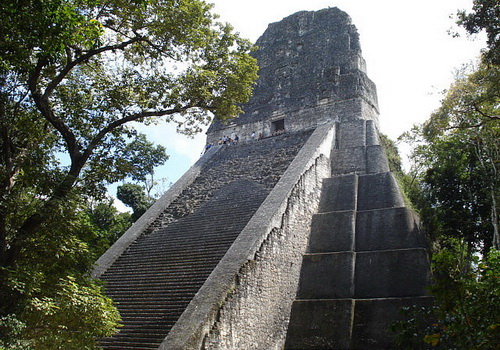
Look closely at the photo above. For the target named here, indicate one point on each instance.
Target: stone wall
(255, 314)
(246, 301)
(325, 111)
(311, 72)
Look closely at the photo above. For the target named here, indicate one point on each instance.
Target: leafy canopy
(485, 16)
(73, 75)
(456, 159)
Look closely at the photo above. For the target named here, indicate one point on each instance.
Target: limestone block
(376, 160)
(327, 276)
(372, 318)
(339, 193)
(391, 273)
(349, 160)
(372, 137)
(376, 191)
(332, 232)
(320, 324)
(392, 228)
(352, 134)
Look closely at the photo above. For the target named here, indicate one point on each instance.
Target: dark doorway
(278, 126)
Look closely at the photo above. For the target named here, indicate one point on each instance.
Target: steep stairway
(366, 256)
(153, 282)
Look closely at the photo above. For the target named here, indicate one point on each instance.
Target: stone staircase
(366, 257)
(156, 278)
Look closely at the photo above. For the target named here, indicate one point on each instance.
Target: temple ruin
(296, 237)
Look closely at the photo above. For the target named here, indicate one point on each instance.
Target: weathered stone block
(392, 228)
(372, 318)
(320, 324)
(376, 160)
(349, 161)
(372, 137)
(327, 276)
(352, 134)
(376, 191)
(332, 232)
(339, 193)
(391, 273)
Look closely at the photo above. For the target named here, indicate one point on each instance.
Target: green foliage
(133, 196)
(72, 317)
(465, 315)
(393, 157)
(68, 318)
(108, 225)
(485, 15)
(142, 157)
(73, 75)
(455, 168)
(456, 157)
(48, 300)
(406, 182)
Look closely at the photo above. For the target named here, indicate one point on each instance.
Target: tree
(133, 196)
(108, 224)
(143, 156)
(456, 167)
(485, 15)
(84, 69)
(458, 161)
(73, 75)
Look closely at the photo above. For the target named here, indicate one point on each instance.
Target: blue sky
(409, 53)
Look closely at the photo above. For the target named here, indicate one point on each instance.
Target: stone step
(332, 232)
(346, 324)
(359, 160)
(126, 345)
(375, 274)
(388, 228)
(378, 191)
(339, 193)
(150, 302)
(351, 134)
(154, 280)
(153, 306)
(327, 276)
(159, 247)
(167, 272)
(151, 292)
(141, 318)
(392, 273)
(172, 262)
(154, 290)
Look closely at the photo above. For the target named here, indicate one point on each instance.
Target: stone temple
(296, 237)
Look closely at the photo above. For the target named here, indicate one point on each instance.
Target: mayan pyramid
(295, 237)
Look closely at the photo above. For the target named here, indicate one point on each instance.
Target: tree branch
(85, 57)
(132, 117)
(43, 105)
(493, 117)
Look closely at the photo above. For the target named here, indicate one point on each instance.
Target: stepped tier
(366, 257)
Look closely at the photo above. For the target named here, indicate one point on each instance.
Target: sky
(409, 53)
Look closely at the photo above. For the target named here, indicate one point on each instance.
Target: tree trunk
(494, 219)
